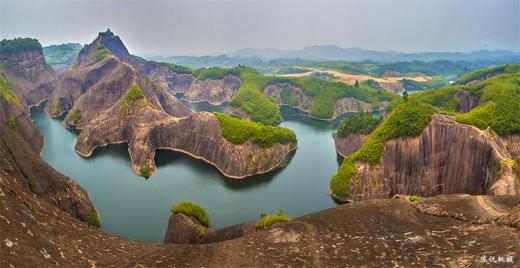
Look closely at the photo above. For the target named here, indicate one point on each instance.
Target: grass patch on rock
(192, 210)
(239, 131)
(266, 220)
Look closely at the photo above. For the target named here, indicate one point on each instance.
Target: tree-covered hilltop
(16, 45)
(498, 110)
(61, 54)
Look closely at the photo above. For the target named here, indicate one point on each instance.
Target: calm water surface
(135, 208)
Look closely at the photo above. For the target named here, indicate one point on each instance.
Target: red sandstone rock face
(448, 157)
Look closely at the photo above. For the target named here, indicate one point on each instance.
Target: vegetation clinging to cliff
(93, 219)
(267, 220)
(192, 210)
(407, 119)
(5, 91)
(362, 123)
(135, 94)
(100, 53)
(238, 131)
(75, 116)
(16, 45)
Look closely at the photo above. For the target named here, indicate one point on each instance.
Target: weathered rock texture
(97, 90)
(27, 72)
(20, 147)
(183, 229)
(348, 144)
(199, 135)
(352, 105)
(447, 157)
(303, 102)
(388, 232)
(213, 91)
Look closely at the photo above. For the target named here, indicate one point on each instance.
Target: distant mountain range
(331, 52)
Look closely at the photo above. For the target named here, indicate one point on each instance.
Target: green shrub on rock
(267, 220)
(192, 210)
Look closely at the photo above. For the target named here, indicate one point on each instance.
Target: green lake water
(135, 208)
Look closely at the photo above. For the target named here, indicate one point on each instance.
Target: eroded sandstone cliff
(213, 91)
(447, 157)
(28, 73)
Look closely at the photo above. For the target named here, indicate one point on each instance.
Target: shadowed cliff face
(213, 91)
(297, 98)
(448, 157)
(27, 72)
(349, 144)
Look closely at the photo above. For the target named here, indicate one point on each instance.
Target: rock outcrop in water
(97, 92)
(448, 157)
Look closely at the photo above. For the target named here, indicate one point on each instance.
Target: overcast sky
(204, 27)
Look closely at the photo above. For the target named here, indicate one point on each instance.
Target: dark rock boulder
(183, 229)
(466, 101)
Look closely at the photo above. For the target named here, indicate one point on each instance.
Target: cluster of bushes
(10, 46)
(251, 100)
(75, 116)
(239, 131)
(267, 220)
(146, 171)
(192, 210)
(290, 70)
(362, 123)
(134, 94)
(61, 54)
(325, 93)
(288, 98)
(500, 105)
(12, 123)
(93, 219)
(100, 53)
(436, 82)
(5, 91)
(219, 72)
(179, 69)
(407, 119)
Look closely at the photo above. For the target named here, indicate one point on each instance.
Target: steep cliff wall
(20, 147)
(289, 94)
(349, 144)
(213, 91)
(448, 157)
(30, 77)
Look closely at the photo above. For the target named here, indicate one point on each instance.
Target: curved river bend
(135, 208)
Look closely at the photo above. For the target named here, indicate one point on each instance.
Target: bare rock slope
(111, 101)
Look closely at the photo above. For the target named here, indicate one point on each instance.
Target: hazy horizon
(221, 27)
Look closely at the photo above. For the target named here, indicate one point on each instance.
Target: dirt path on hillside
(352, 78)
(485, 204)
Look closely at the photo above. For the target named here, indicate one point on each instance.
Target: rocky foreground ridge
(442, 230)
(447, 157)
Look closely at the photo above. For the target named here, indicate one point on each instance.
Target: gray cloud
(202, 27)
